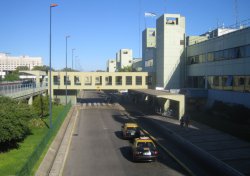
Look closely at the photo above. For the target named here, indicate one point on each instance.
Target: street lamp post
(50, 92)
(73, 56)
(66, 68)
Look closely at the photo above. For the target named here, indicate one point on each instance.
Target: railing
(21, 90)
(35, 156)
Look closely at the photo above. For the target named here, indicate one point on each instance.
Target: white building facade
(221, 65)
(10, 63)
(111, 65)
(170, 44)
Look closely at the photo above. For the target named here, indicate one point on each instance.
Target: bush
(41, 105)
(14, 119)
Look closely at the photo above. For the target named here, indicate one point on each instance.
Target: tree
(13, 76)
(41, 105)
(127, 69)
(22, 68)
(42, 68)
(14, 118)
(69, 70)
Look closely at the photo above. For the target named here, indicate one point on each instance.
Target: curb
(60, 159)
(49, 158)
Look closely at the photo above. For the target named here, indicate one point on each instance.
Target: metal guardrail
(21, 90)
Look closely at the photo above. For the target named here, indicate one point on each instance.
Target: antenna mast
(236, 13)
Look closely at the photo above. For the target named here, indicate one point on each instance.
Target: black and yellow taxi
(144, 149)
(130, 131)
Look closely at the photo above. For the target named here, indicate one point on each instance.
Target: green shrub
(41, 105)
(14, 118)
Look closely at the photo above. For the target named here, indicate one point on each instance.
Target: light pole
(50, 96)
(73, 56)
(66, 68)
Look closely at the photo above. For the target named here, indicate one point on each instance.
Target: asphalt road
(98, 149)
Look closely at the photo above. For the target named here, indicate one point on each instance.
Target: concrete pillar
(30, 101)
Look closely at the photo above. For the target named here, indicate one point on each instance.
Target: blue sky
(99, 28)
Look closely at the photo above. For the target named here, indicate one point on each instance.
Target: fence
(28, 166)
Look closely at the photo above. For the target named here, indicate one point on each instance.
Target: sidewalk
(220, 149)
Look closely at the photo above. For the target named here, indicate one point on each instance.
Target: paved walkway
(226, 148)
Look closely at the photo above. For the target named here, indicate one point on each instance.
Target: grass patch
(11, 162)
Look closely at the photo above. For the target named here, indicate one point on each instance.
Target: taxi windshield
(132, 128)
(145, 144)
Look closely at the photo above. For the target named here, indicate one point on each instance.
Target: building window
(172, 21)
(138, 80)
(98, 80)
(227, 82)
(239, 83)
(151, 33)
(88, 80)
(77, 80)
(108, 80)
(182, 42)
(216, 80)
(128, 80)
(210, 57)
(56, 80)
(66, 80)
(218, 55)
(118, 80)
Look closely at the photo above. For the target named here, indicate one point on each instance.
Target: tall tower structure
(148, 49)
(124, 58)
(170, 45)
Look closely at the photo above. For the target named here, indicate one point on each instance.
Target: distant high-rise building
(111, 65)
(148, 49)
(170, 44)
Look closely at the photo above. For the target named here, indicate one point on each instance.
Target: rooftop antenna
(236, 13)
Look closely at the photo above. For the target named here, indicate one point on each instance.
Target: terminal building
(216, 63)
(220, 64)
